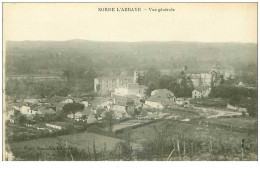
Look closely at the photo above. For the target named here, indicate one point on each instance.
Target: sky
(202, 22)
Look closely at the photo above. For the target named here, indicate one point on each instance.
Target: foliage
(73, 108)
(22, 88)
(252, 109)
(182, 87)
(108, 119)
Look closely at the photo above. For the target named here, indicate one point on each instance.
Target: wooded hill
(33, 56)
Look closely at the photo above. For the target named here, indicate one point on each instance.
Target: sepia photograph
(130, 82)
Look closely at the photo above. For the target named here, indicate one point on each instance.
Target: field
(210, 102)
(214, 139)
(83, 141)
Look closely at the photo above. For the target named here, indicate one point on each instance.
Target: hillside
(34, 56)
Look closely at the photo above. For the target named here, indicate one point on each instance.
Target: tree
(140, 79)
(235, 99)
(109, 119)
(186, 85)
(73, 108)
(151, 86)
(164, 81)
(253, 108)
(152, 76)
(21, 119)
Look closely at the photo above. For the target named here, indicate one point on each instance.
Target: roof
(20, 104)
(46, 111)
(133, 86)
(77, 100)
(201, 88)
(87, 111)
(99, 100)
(122, 100)
(31, 100)
(114, 77)
(161, 95)
(55, 99)
(58, 104)
(180, 99)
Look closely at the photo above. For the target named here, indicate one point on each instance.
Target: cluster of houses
(163, 98)
(128, 86)
(120, 94)
(119, 85)
(41, 107)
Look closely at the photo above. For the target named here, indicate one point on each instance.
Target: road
(215, 113)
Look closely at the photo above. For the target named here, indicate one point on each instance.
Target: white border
(128, 169)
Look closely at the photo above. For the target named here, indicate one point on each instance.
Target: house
(132, 89)
(13, 120)
(120, 115)
(87, 114)
(85, 103)
(236, 108)
(106, 85)
(31, 101)
(74, 116)
(10, 114)
(117, 108)
(122, 100)
(196, 94)
(56, 99)
(107, 104)
(180, 101)
(58, 106)
(68, 100)
(45, 111)
(241, 84)
(160, 98)
(200, 92)
(98, 101)
(24, 109)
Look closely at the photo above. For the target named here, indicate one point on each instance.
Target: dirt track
(215, 113)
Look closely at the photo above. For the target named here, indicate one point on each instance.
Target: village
(120, 104)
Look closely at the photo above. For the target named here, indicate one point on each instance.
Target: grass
(222, 138)
(210, 102)
(81, 141)
(242, 122)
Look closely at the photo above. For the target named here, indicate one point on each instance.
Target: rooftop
(115, 77)
(55, 99)
(161, 94)
(201, 88)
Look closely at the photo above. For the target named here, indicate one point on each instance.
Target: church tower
(136, 75)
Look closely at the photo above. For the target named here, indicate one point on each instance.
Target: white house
(196, 94)
(229, 106)
(26, 110)
(180, 101)
(200, 92)
(85, 103)
(77, 115)
(160, 98)
(68, 100)
(131, 89)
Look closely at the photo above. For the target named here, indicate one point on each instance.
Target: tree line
(180, 85)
